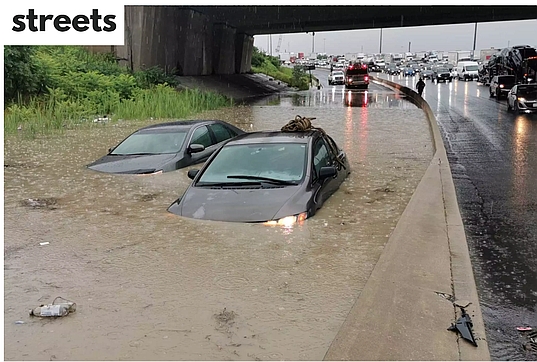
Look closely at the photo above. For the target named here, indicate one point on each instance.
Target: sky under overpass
(256, 20)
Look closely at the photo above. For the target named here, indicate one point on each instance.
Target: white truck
(459, 55)
(485, 54)
(396, 58)
(467, 70)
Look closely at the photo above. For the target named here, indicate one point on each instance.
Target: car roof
(186, 124)
(274, 137)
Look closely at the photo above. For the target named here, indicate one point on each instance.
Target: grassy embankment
(269, 65)
(56, 87)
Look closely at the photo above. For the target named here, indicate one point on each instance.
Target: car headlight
(501, 85)
(288, 220)
(521, 99)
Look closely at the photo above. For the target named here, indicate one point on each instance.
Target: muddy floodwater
(150, 285)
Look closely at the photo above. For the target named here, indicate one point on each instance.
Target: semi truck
(459, 56)
(520, 61)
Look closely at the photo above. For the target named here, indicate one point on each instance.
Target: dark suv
(500, 85)
(441, 74)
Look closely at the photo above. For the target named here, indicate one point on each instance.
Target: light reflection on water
(151, 285)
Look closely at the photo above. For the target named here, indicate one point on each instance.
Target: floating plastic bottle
(55, 309)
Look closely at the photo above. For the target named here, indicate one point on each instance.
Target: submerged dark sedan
(166, 147)
(275, 177)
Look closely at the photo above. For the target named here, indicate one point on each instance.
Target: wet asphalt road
(492, 155)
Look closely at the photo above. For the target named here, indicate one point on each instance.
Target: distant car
(392, 69)
(336, 77)
(427, 74)
(275, 177)
(441, 74)
(409, 72)
(522, 98)
(500, 85)
(166, 147)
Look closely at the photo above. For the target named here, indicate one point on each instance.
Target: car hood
(134, 164)
(239, 205)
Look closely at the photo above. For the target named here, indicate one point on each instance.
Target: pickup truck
(336, 77)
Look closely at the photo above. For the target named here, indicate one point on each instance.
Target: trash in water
(524, 329)
(19, 322)
(44, 243)
(55, 309)
(531, 345)
(463, 326)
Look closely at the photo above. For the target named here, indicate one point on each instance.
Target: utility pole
(312, 42)
(380, 47)
(409, 46)
(475, 38)
(270, 44)
(324, 45)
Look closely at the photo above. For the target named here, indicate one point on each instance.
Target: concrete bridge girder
(202, 40)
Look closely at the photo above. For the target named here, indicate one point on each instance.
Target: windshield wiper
(133, 154)
(261, 178)
(218, 184)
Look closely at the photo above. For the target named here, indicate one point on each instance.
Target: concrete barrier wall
(406, 306)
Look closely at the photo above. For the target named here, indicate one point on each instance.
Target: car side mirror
(327, 171)
(195, 148)
(192, 173)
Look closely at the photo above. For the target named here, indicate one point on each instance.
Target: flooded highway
(150, 285)
(492, 157)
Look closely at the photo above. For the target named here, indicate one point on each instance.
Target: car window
(527, 91)
(221, 132)
(151, 142)
(321, 156)
(506, 80)
(201, 136)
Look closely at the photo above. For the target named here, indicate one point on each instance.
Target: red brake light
(366, 77)
(364, 66)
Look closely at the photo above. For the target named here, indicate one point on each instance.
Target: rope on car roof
(301, 124)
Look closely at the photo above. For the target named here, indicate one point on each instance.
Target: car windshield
(442, 70)
(337, 73)
(530, 92)
(506, 80)
(470, 68)
(277, 161)
(151, 142)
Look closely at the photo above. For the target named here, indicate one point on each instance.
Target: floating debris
(463, 326)
(46, 203)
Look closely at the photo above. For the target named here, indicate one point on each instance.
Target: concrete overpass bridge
(203, 40)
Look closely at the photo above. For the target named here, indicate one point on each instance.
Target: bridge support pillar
(244, 47)
(180, 41)
(223, 49)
